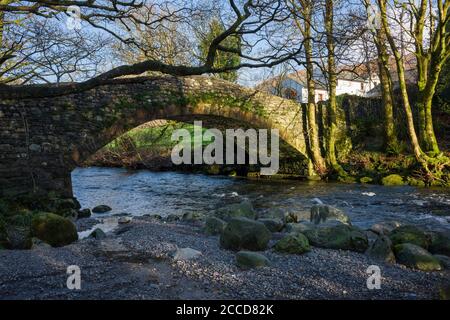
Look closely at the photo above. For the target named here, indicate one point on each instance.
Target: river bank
(135, 262)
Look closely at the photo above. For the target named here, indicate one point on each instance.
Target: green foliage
(223, 59)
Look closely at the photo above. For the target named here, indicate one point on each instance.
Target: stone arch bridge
(42, 140)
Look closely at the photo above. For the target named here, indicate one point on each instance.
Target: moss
(415, 182)
(53, 229)
(409, 234)
(393, 180)
(293, 244)
(366, 180)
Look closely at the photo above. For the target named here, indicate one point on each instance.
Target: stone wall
(43, 140)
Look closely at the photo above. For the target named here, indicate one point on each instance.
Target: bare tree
(255, 22)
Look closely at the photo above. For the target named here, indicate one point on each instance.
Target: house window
(320, 97)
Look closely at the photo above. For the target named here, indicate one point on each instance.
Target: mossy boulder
(274, 225)
(243, 233)
(244, 209)
(250, 260)
(393, 180)
(193, 216)
(19, 237)
(339, 237)
(381, 250)
(98, 234)
(85, 213)
(214, 226)
(102, 209)
(293, 244)
(53, 229)
(323, 213)
(440, 243)
(409, 234)
(299, 227)
(444, 260)
(416, 257)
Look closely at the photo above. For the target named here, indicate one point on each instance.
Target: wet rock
(243, 209)
(214, 226)
(19, 237)
(186, 254)
(39, 244)
(444, 260)
(98, 234)
(409, 234)
(53, 229)
(393, 180)
(173, 218)
(385, 227)
(243, 233)
(275, 213)
(416, 257)
(381, 250)
(440, 243)
(323, 213)
(299, 227)
(193, 216)
(340, 237)
(250, 260)
(101, 209)
(124, 220)
(293, 244)
(298, 216)
(83, 214)
(274, 225)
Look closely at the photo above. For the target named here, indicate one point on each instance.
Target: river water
(144, 192)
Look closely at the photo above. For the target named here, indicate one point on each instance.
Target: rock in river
(101, 209)
(323, 213)
(243, 233)
(440, 243)
(250, 260)
(416, 257)
(98, 234)
(214, 226)
(381, 250)
(293, 244)
(340, 237)
(409, 234)
(244, 209)
(274, 225)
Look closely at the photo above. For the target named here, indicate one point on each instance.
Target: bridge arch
(46, 138)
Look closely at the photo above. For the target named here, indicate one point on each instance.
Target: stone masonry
(42, 140)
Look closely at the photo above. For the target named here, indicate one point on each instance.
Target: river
(144, 192)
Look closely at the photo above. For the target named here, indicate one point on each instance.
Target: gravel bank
(134, 262)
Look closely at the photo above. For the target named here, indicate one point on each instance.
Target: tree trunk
(418, 153)
(313, 128)
(332, 84)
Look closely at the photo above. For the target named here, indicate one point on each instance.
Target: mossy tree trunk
(418, 153)
(332, 84)
(390, 134)
(313, 128)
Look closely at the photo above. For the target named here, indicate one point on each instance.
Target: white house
(293, 85)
